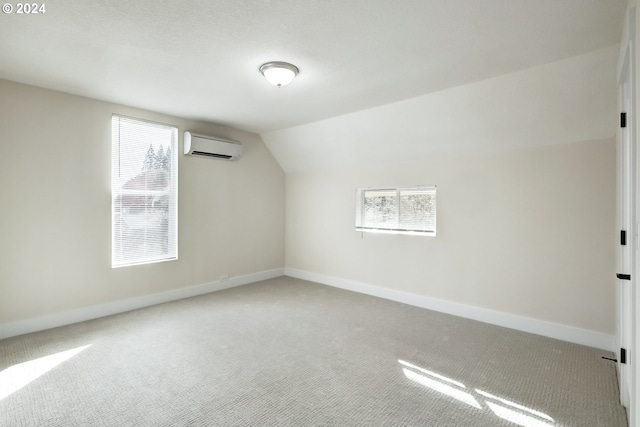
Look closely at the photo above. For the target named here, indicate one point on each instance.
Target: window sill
(387, 231)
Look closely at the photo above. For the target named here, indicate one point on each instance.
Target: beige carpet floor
(286, 352)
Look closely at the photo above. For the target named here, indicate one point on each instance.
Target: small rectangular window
(144, 191)
(410, 210)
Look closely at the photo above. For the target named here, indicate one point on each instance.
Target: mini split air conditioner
(200, 145)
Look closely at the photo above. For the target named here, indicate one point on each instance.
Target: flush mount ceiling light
(279, 73)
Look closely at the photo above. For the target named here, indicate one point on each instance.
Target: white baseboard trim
(54, 320)
(559, 331)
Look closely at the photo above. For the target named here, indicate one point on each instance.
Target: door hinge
(623, 355)
(623, 120)
(623, 237)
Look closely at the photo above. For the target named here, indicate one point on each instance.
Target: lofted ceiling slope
(199, 59)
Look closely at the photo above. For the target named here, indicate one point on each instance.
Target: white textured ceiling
(199, 58)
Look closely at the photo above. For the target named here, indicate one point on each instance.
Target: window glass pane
(417, 210)
(380, 209)
(144, 191)
(399, 210)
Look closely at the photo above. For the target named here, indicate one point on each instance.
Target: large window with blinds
(144, 191)
(410, 210)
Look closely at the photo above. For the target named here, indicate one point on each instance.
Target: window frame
(171, 192)
(361, 225)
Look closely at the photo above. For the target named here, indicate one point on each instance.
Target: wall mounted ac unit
(200, 145)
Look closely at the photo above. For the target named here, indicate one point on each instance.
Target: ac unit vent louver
(219, 156)
(207, 146)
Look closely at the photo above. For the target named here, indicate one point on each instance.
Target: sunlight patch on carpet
(516, 417)
(502, 408)
(432, 374)
(515, 405)
(440, 386)
(17, 376)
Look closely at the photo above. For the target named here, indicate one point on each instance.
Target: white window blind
(409, 210)
(144, 191)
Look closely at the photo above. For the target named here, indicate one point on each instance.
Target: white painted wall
(55, 245)
(526, 232)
